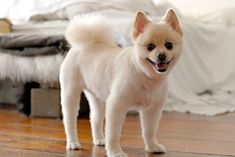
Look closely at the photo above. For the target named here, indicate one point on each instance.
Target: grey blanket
(33, 45)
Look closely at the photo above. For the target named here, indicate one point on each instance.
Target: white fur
(114, 82)
(91, 27)
(36, 68)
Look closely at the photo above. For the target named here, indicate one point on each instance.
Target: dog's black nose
(161, 56)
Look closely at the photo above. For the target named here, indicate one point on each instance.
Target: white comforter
(207, 64)
(203, 81)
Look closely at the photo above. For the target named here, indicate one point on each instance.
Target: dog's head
(157, 46)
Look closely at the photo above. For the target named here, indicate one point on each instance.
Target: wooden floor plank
(8, 152)
(45, 148)
(184, 135)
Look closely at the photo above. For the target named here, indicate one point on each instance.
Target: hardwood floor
(184, 135)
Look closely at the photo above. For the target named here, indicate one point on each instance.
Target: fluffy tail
(89, 30)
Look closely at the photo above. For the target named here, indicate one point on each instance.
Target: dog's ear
(141, 20)
(173, 21)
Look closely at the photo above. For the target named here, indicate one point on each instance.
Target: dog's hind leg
(97, 115)
(71, 89)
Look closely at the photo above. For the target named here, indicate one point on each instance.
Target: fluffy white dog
(115, 79)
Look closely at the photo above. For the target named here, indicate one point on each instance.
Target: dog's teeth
(162, 65)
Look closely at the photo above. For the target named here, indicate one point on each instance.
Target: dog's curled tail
(88, 30)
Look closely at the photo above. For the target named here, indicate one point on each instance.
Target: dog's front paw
(73, 146)
(117, 154)
(99, 142)
(156, 148)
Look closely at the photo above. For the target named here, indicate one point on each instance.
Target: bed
(203, 81)
(31, 67)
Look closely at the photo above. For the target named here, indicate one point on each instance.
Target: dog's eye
(169, 45)
(150, 46)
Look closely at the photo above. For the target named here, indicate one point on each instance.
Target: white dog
(115, 79)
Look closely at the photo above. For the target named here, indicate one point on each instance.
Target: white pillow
(121, 5)
(200, 7)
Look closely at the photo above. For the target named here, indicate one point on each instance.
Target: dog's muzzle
(161, 65)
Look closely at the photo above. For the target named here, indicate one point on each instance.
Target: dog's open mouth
(160, 67)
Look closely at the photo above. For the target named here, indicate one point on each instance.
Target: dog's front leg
(114, 118)
(150, 122)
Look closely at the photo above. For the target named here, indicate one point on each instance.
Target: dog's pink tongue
(162, 66)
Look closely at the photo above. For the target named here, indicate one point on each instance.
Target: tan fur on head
(173, 21)
(142, 21)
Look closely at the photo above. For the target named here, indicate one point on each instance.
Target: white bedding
(43, 69)
(22, 11)
(207, 63)
(38, 27)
